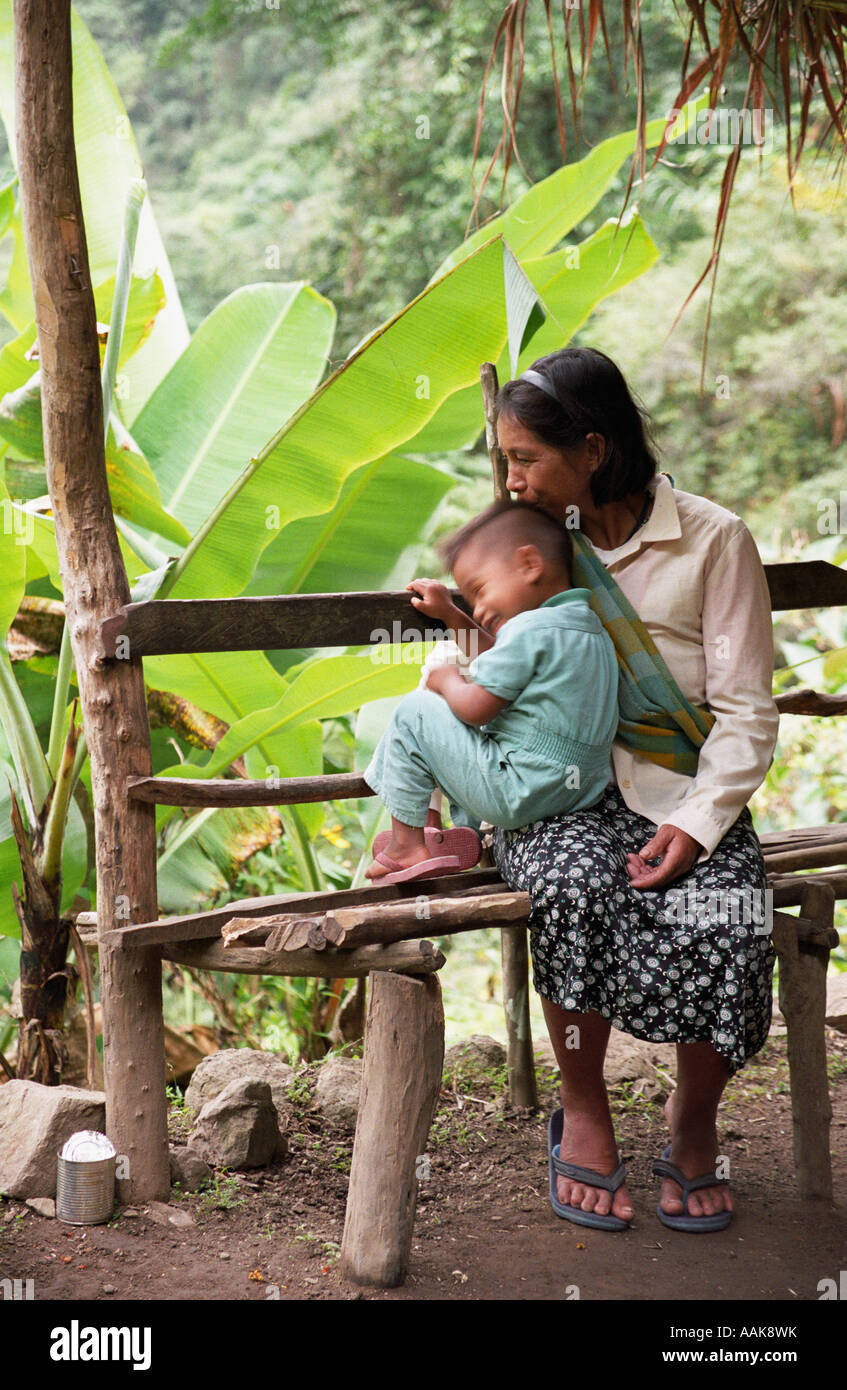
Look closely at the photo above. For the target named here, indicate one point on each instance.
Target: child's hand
(432, 599)
(445, 653)
(439, 678)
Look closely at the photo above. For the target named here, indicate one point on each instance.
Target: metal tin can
(85, 1191)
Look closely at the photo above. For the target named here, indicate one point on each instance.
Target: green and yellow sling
(656, 720)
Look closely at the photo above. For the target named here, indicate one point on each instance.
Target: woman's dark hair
(591, 396)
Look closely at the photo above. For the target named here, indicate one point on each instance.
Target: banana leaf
(15, 295)
(359, 543)
(571, 282)
(146, 299)
(320, 689)
(230, 685)
(13, 529)
(204, 853)
(133, 488)
(539, 219)
(369, 407)
(251, 363)
(108, 162)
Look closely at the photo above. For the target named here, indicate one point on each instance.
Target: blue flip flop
(719, 1221)
(558, 1168)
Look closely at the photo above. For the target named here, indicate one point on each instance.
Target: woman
(647, 909)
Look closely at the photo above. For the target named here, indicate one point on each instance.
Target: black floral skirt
(692, 962)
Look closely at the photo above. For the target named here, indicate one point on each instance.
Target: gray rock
(239, 1128)
(43, 1206)
(159, 1212)
(188, 1169)
(35, 1121)
(632, 1059)
(627, 1059)
(216, 1072)
(338, 1089)
(165, 1215)
(836, 1001)
(542, 1051)
(474, 1055)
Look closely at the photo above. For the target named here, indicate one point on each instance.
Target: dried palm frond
(793, 50)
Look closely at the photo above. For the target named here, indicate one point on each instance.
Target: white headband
(536, 379)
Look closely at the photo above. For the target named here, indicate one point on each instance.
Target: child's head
(508, 560)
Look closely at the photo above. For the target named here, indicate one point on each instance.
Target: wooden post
(404, 1060)
(95, 585)
(523, 1089)
(499, 463)
(802, 999)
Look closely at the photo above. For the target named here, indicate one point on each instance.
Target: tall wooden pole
(523, 1086)
(95, 585)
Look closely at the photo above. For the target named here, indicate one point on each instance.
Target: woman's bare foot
(694, 1150)
(588, 1139)
(588, 1135)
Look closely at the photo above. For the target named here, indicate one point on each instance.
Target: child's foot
(403, 856)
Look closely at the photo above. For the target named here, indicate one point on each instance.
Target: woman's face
(538, 473)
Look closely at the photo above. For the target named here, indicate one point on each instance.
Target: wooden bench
(379, 930)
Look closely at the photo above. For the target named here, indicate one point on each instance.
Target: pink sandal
(406, 873)
(461, 842)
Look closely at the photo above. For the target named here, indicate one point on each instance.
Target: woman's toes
(704, 1201)
(596, 1199)
(672, 1198)
(577, 1196)
(622, 1206)
(709, 1201)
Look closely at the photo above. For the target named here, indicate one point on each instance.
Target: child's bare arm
(471, 703)
(433, 600)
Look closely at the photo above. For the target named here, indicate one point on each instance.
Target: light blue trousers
(426, 746)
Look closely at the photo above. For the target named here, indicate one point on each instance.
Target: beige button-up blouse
(694, 576)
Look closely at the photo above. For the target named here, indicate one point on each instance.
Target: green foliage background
(333, 143)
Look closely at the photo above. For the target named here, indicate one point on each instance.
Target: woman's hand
(677, 851)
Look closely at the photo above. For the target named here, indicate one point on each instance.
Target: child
(529, 733)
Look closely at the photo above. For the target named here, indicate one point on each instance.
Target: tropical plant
(196, 474)
(784, 58)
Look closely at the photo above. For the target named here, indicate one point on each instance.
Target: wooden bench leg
(802, 999)
(401, 1080)
(523, 1089)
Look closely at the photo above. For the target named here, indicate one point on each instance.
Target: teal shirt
(557, 667)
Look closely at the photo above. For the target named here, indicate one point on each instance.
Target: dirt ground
(484, 1228)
